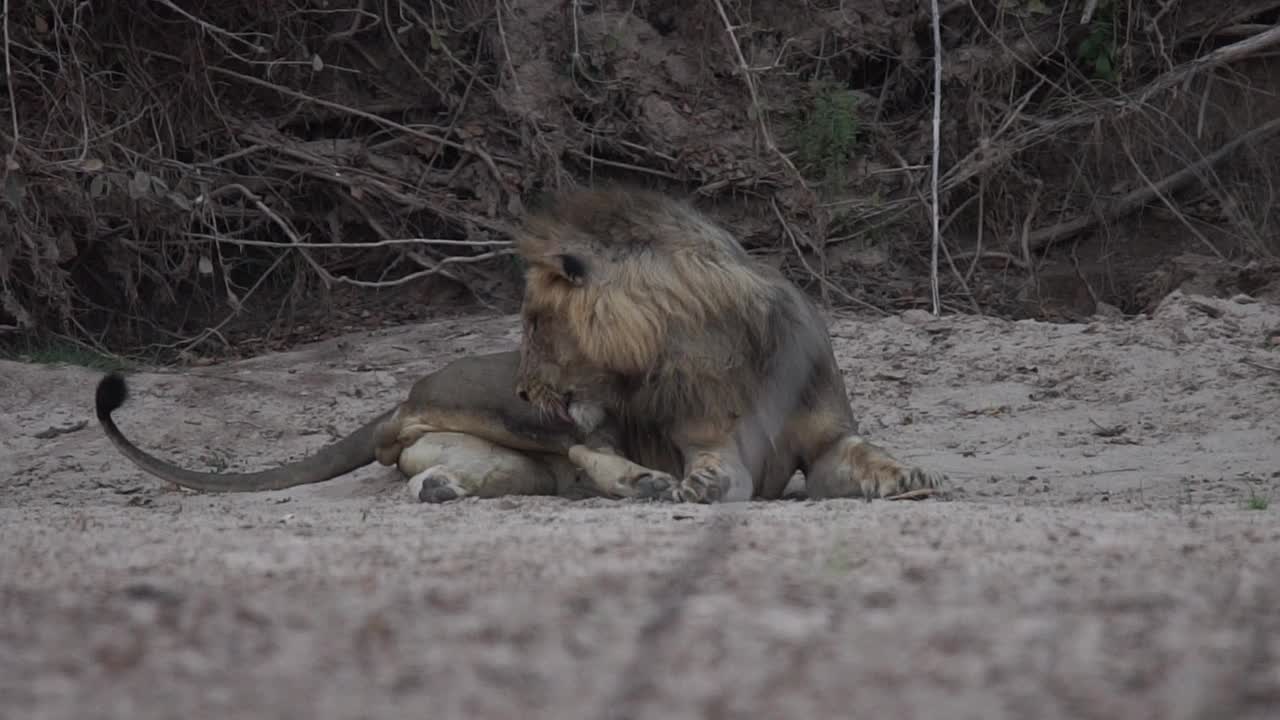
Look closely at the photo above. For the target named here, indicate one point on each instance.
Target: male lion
(460, 433)
(722, 354)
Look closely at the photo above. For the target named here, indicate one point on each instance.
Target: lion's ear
(573, 268)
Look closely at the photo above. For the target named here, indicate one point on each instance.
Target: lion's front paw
(703, 485)
(699, 486)
(893, 480)
(436, 485)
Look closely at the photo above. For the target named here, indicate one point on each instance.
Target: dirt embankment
(1110, 548)
(196, 180)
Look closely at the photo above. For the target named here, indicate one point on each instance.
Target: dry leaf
(139, 185)
(98, 186)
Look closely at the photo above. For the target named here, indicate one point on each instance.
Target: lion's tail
(353, 451)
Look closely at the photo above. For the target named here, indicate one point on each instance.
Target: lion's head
(643, 293)
(629, 272)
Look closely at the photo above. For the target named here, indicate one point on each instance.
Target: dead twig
(55, 431)
(917, 494)
(1025, 236)
(977, 256)
(350, 245)
(1260, 366)
(11, 162)
(1088, 286)
(1107, 431)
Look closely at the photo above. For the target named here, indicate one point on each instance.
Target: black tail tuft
(112, 392)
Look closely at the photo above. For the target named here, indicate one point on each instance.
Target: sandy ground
(1103, 554)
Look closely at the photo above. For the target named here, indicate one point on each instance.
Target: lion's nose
(524, 394)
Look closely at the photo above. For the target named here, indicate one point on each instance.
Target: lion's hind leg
(444, 466)
(853, 467)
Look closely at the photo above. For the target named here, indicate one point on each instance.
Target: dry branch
(990, 153)
(1227, 54)
(1131, 202)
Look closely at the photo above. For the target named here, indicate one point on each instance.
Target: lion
(639, 295)
(461, 433)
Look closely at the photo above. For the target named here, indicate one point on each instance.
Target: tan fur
(638, 299)
(461, 432)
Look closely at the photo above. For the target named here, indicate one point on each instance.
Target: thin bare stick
(920, 493)
(242, 152)
(9, 83)
(1025, 236)
(211, 28)
(506, 49)
(437, 268)
(621, 165)
(349, 245)
(576, 57)
(1088, 286)
(982, 212)
(937, 144)
(1129, 203)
